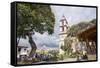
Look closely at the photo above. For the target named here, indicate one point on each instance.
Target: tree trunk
(33, 46)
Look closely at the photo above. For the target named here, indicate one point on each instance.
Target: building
(22, 51)
(63, 33)
(89, 36)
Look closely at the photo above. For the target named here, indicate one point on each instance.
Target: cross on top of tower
(63, 19)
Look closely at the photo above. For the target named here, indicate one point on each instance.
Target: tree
(93, 21)
(31, 18)
(54, 54)
(67, 45)
(74, 29)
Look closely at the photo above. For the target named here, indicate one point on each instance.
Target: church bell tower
(63, 33)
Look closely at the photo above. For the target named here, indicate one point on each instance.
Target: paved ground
(65, 60)
(68, 60)
(90, 57)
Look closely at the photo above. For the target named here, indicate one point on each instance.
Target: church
(63, 33)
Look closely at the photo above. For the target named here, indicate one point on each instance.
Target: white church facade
(63, 33)
(64, 27)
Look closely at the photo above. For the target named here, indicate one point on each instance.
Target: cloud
(42, 41)
(73, 15)
(23, 42)
(45, 40)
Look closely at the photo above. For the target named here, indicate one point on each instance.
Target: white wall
(5, 34)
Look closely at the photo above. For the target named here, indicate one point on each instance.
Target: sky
(73, 15)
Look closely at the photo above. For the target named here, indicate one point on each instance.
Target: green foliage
(67, 47)
(37, 17)
(93, 21)
(61, 57)
(67, 43)
(54, 53)
(74, 29)
(34, 17)
(42, 52)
